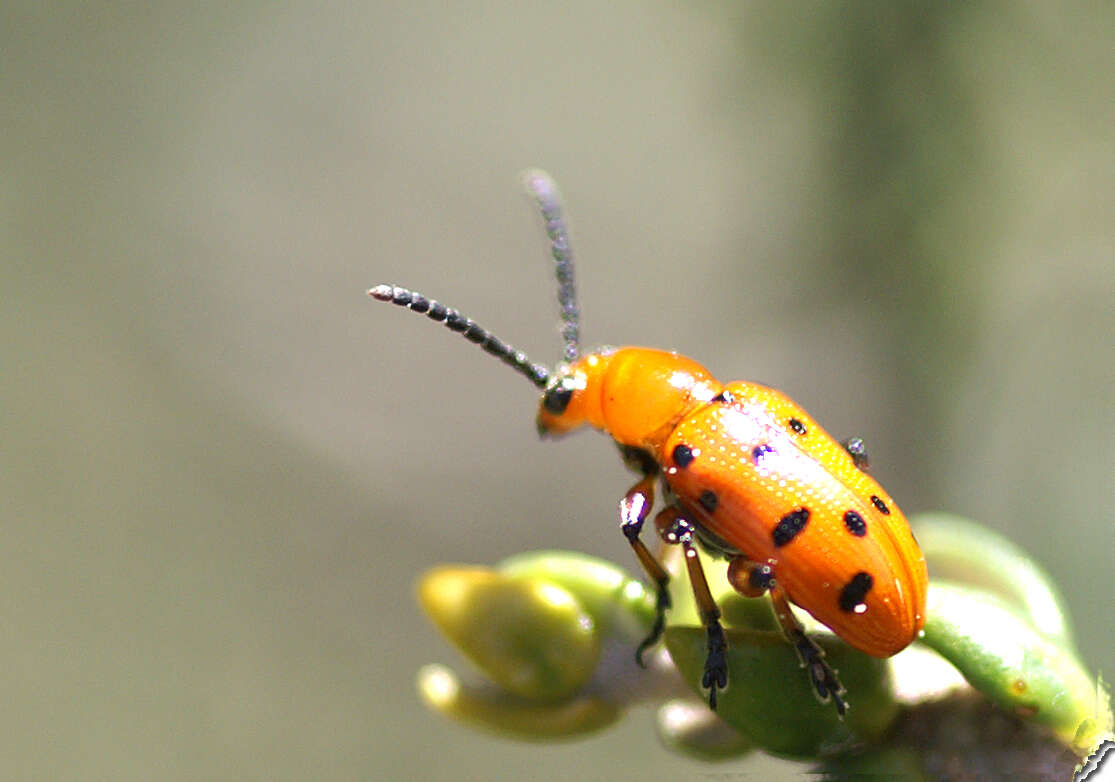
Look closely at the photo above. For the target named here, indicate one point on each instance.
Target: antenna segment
(466, 327)
(544, 191)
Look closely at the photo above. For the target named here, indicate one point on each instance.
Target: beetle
(745, 473)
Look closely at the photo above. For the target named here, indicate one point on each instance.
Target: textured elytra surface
(789, 494)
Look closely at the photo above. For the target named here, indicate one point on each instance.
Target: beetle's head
(636, 395)
(572, 395)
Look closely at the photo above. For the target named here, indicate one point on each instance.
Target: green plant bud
(500, 712)
(530, 636)
(769, 697)
(620, 604)
(1003, 656)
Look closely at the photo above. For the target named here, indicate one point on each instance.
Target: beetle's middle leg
(752, 579)
(675, 528)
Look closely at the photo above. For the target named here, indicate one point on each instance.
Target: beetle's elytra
(746, 474)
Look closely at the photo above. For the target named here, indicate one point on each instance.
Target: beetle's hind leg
(633, 511)
(676, 529)
(752, 579)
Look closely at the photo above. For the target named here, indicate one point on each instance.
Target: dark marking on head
(880, 505)
(855, 591)
(857, 449)
(724, 396)
(797, 426)
(557, 396)
(683, 456)
(855, 523)
(708, 500)
(760, 451)
(790, 526)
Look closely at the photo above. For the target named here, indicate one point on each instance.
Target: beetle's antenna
(466, 327)
(544, 191)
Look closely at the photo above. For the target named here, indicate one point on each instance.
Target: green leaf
(770, 699)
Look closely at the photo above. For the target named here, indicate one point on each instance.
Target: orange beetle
(746, 473)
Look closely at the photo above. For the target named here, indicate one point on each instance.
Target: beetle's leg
(858, 451)
(751, 579)
(675, 528)
(633, 511)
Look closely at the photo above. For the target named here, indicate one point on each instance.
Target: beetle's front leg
(752, 579)
(633, 510)
(676, 529)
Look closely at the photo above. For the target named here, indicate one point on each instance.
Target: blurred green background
(222, 467)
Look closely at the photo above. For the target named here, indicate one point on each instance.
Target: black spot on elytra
(683, 456)
(790, 526)
(797, 426)
(880, 505)
(855, 523)
(760, 451)
(708, 500)
(855, 591)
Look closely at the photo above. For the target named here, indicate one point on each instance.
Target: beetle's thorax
(635, 395)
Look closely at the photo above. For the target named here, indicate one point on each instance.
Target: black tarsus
(715, 675)
(823, 677)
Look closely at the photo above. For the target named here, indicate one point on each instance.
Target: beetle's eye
(557, 397)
